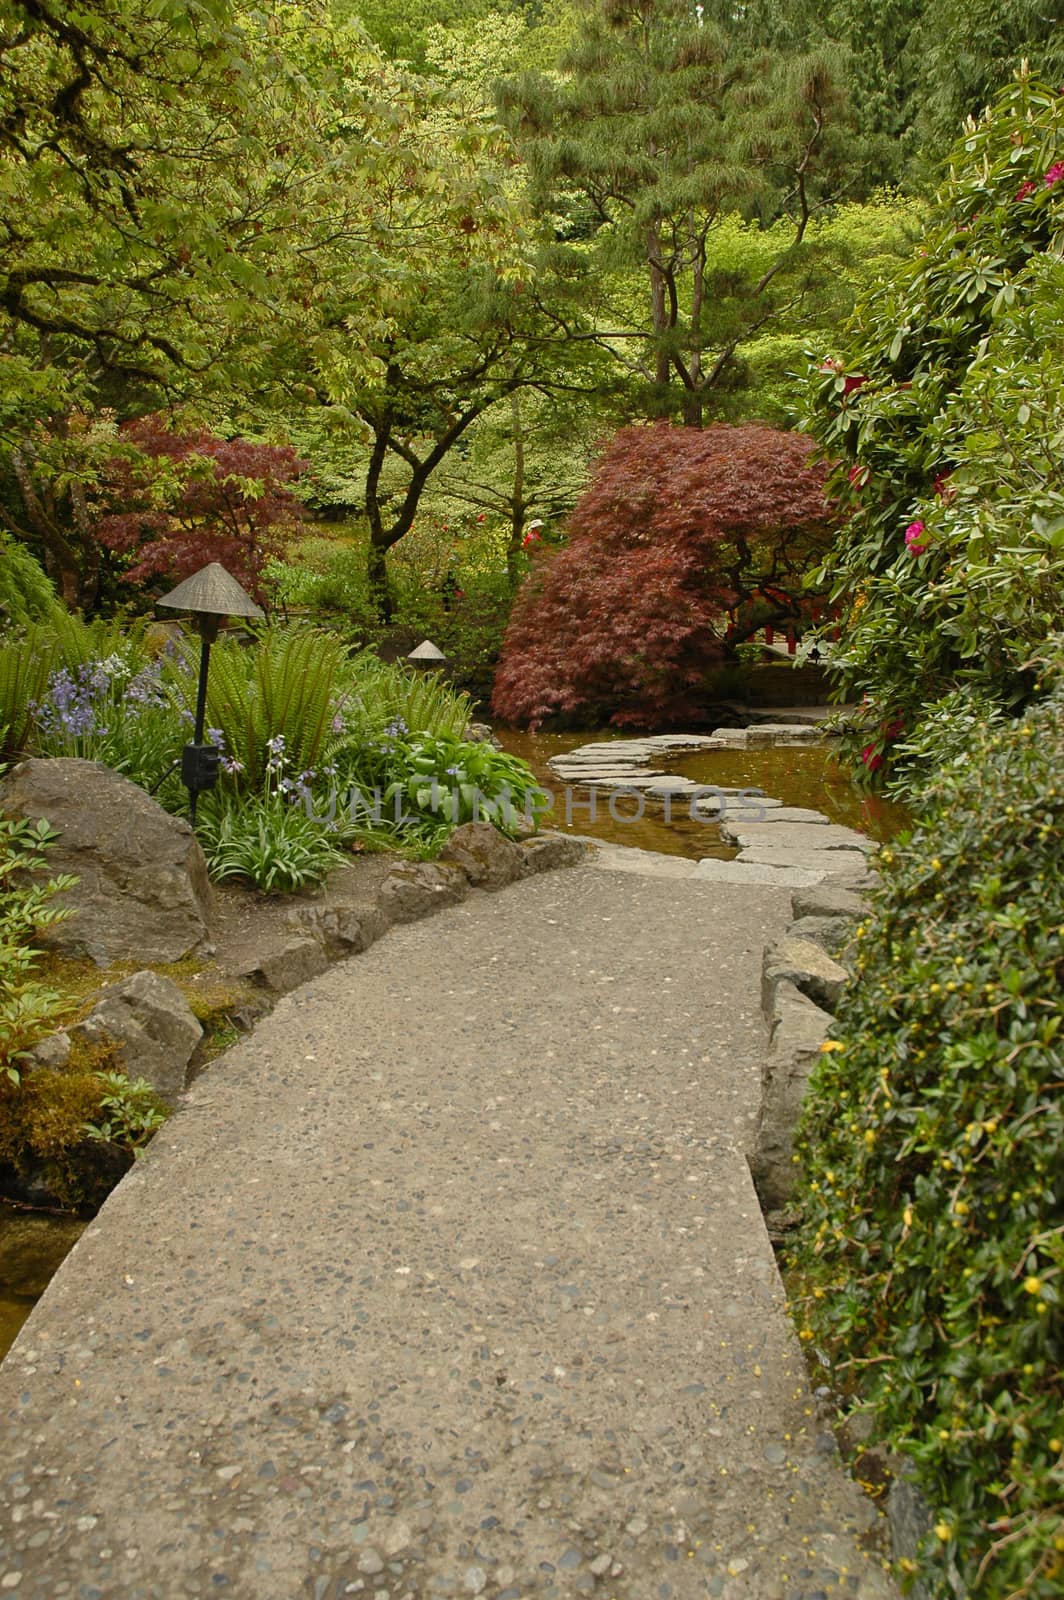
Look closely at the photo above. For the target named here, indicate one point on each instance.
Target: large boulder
(150, 1020)
(142, 887)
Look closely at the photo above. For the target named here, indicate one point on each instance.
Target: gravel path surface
(449, 1281)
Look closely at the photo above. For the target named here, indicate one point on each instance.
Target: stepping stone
(711, 870)
(648, 863)
(845, 864)
(776, 811)
(794, 836)
(738, 804)
(591, 774)
(669, 785)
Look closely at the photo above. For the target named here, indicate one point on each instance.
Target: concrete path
(451, 1280)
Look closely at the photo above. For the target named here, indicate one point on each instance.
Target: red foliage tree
(175, 501)
(684, 545)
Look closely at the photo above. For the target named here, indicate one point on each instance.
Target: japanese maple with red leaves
(685, 545)
(176, 501)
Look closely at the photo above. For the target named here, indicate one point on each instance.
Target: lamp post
(210, 594)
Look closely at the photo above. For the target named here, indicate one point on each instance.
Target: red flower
(1025, 189)
(1054, 175)
(871, 758)
(853, 382)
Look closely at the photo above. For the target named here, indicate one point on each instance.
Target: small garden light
(427, 656)
(210, 594)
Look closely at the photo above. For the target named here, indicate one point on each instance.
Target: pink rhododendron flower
(913, 542)
(859, 475)
(943, 488)
(871, 758)
(1054, 175)
(1025, 189)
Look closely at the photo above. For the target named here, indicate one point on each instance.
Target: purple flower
(1054, 175)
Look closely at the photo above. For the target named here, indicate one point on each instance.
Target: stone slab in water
(843, 864)
(794, 836)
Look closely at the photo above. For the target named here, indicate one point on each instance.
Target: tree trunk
(517, 498)
(659, 322)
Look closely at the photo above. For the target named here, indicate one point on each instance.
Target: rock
(910, 1518)
(416, 888)
(284, 964)
(799, 1028)
(481, 733)
(807, 966)
(830, 932)
(342, 929)
(768, 734)
(150, 1020)
(49, 1055)
(549, 850)
(827, 900)
(850, 878)
(488, 859)
(142, 888)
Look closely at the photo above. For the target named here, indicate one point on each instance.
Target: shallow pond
(796, 774)
(32, 1245)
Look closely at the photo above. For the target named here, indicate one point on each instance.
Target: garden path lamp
(210, 594)
(427, 656)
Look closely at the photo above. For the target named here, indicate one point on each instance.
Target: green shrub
(931, 1252)
(943, 409)
(130, 1113)
(450, 780)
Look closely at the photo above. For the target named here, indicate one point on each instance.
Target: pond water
(799, 775)
(32, 1245)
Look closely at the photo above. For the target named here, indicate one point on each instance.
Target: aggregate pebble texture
(450, 1281)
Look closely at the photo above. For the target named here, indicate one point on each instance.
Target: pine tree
(664, 123)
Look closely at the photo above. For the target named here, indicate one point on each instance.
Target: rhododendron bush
(684, 545)
(950, 567)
